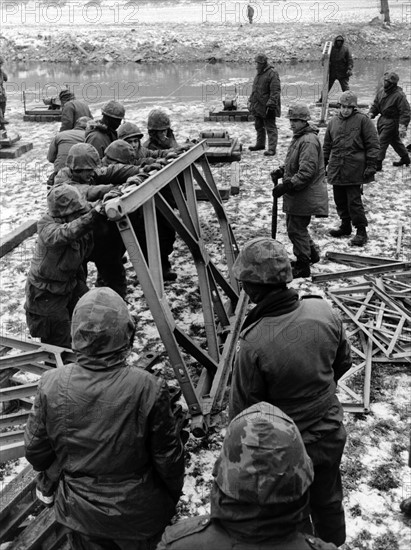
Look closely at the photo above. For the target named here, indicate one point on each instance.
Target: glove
(277, 174)
(402, 130)
(99, 208)
(135, 180)
(369, 174)
(349, 72)
(171, 155)
(270, 112)
(113, 194)
(278, 191)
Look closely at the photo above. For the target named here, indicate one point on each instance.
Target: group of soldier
(102, 433)
(352, 152)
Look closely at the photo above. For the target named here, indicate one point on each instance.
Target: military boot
(315, 254)
(404, 161)
(301, 269)
(360, 238)
(344, 230)
(256, 147)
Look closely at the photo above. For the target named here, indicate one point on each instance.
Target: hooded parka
(341, 60)
(350, 146)
(266, 93)
(259, 491)
(304, 175)
(110, 428)
(73, 110)
(100, 135)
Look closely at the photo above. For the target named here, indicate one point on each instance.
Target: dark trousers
(388, 135)
(349, 204)
(2, 111)
(343, 82)
(263, 125)
(297, 230)
(326, 494)
(48, 316)
(79, 541)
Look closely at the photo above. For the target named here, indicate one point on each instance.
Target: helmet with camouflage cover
(348, 99)
(119, 151)
(298, 111)
(263, 459)
(83, 156)
(101, 323)
(263, 261)
(113, 109)
(158, 120)
(129, 130)
(65, 199)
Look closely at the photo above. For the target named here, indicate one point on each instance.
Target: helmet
(158, 120)
(66, 95)
(263, 460)
(114, 109)
(83, 156)
(263, 261)
(348, 99)
(129, 130)
(119, 151)
(65, 199)
(81, 122)
(391, 77)
(101, 323)
(298, 111)
(261, 58)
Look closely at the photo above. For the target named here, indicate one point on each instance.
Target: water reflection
(206, 83)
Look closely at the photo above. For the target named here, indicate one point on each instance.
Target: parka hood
(339, 37)
(97, 126)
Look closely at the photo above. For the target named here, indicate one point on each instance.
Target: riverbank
(205, 42)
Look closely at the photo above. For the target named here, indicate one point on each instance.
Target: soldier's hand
(134, 180)
(113, 194)
(99, 208)
(279, 190)
(270, 112)
(171, 155)
(369, 174)
(277, 174)
(402, 131)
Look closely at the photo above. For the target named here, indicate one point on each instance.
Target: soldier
(56, 279)
(303, 187)
(131, 133)
(71, 110)
(108, 428)
(391, 103)
(3, 97)
(264, 104)
(250, 13)
(160, 133)
(259, 492)
(351, 150)
(341, 64)
(61, 144)
(292, 351)
(101, 133)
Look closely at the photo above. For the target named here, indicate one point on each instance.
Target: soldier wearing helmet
(101, 133)
(56, 279)
(3, 97)
(260, 489)
(303, 187)
(71, 110)
(131, 133)
(108, 427)
(351, 161)
(394, 110)
(264, 104)
(341, 64)
(160, 134)
(292, 351)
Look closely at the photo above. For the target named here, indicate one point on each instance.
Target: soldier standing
(391, 103)
(292, 351)
(303, 187)
(108, 428)
(341, 64)
(250, 13)
(264, 104)
(351, 150)
(3, 97)
(259, 492)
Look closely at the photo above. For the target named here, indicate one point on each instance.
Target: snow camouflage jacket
(391, 105)
(350, 145)
(71, 112)
(99, 135)
(266, 93)
(111, 429)
(261, 479)
(61, 248)
(304, 181)
(293, 361)
(340, 60)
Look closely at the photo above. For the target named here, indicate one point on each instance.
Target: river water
(208, 83)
